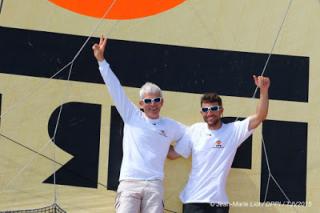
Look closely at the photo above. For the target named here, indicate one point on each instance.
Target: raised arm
(98, 49)
(124, 106)
(263, 84)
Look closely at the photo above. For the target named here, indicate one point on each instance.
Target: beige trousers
(139, 196)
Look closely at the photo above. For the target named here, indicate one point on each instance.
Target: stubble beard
(214, 124)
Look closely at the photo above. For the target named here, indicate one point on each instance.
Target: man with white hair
(146, 141)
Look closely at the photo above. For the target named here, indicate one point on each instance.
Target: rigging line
(272, 177)
(254, 94)
(274, 44)
(61, 107)
(94, 30)
(263, 71)
(87, 42)
(267, 188)
(60, 110)
(167, 210)
(202, 22)
(266, 155)
(276, 182)
(272, 49)
(34, 195)
(19, 173)
(68, 64)
(15, 105)
(69, 75)
(52, 160)
(282, 191)
(54, 137)
(1, 4)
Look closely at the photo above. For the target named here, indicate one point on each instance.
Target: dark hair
(210, 98)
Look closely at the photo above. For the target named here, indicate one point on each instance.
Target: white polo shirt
(145, 141)
(212, 156)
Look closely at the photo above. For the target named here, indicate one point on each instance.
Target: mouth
(154, 109)
(211, 118)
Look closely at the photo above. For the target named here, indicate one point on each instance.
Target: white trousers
(139, 196)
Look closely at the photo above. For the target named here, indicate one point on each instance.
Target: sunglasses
(151, 100)
(211, 108)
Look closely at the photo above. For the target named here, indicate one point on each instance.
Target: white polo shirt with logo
(212, 152)
(145, 141)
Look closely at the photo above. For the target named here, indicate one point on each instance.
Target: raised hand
(262, 82)
(98, 49)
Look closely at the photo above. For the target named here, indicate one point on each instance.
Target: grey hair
(149, 87)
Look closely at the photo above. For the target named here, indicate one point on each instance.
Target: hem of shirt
(180, 153)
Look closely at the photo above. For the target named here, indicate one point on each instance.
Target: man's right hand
(98, 49)
(172, 154)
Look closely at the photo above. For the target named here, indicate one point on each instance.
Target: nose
(210, 112)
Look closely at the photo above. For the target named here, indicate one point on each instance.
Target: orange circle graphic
(121, 9)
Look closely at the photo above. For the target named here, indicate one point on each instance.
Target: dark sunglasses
(211, 108)
(151, 100)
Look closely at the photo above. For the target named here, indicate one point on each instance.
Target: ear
(141, 103)
(221, 114)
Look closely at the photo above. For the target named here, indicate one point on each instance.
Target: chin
(152, 115)
(212, 123)
(156, 115)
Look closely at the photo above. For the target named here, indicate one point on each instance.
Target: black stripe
(115, 149)
(243, 157)
(286, 144)
(174, 68)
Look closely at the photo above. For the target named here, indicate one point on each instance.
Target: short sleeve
(242, 130)
(184, 145)
(180, 130)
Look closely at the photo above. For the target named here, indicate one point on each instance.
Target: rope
(254, 95)
(54, 139)
(22, 100)
(69, 75)
(1, 4)
(49, 159)
(68, 64)
(274, 44)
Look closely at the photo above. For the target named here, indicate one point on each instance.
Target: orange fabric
(122, 9)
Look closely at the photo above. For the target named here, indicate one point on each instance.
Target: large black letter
(78, 134)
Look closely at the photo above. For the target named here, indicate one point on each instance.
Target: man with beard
(213, 146)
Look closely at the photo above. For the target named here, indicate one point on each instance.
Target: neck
(215, 126)
(153, 118)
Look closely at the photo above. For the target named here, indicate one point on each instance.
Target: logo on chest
(218, 144)
(163, 133)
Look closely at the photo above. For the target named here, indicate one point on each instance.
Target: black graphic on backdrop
(78, 134)
(175, 68)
